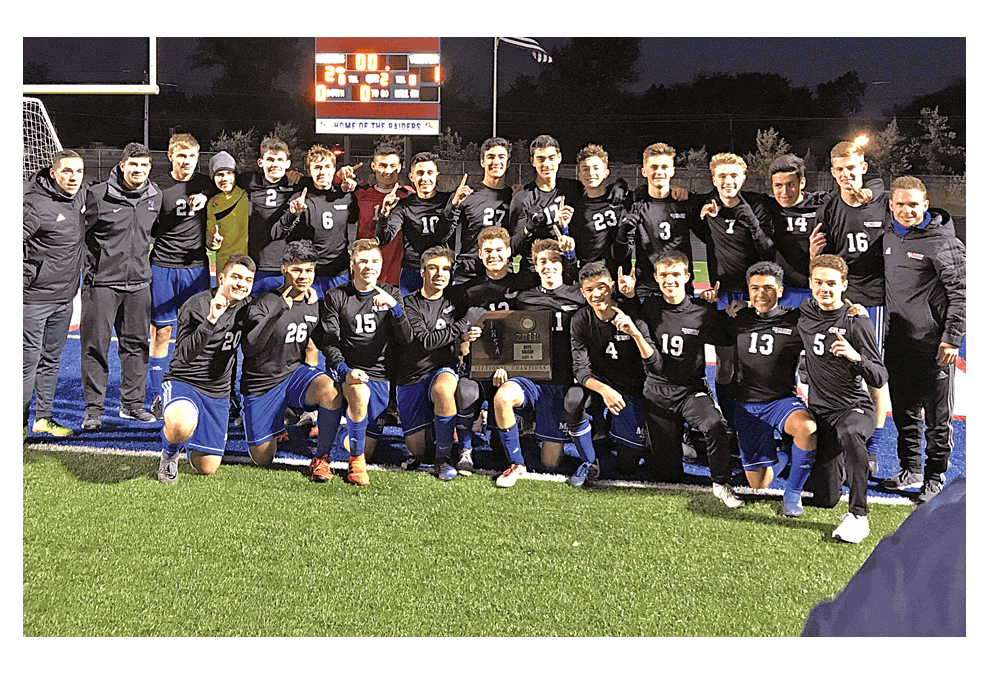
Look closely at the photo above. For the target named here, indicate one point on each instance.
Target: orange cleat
(357, 470)
(319, 469)
(314, 432)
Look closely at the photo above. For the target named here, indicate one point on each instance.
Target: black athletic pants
(842, 437)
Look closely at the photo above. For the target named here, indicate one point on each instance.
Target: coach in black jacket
(53, 245)
(925, 281)
(116, 285)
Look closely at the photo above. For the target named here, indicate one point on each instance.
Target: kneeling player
(426, 374)
(275, 374)
(768, 346)
(196, 389)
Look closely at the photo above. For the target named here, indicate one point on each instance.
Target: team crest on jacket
(915, 256)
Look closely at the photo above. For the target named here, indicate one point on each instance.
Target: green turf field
(251, 552)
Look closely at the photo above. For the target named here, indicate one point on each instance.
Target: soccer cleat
(871, 461)
(445, 471)
(852, 529)
(168, 468)
(138, 415)
(46, 425)
(156, 409)
(237, 421)
(594, 470)
(319, 469)
(308, 418)
(792, 505)
(282, 437)
(465, 463)
(903, 480)
(931, 488)
(580, 475)
(315, 431)
(357, 470)
(510, 476)
(409, 463)
(92, 423)
(727, 495)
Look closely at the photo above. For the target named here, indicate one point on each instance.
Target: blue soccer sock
(443, 433)
(510, 439)
(462, 424)
(802, 461)
(357, 432)
(328, 423)
(581, 435)
(157, 365)
(170, 449)
(782, 459)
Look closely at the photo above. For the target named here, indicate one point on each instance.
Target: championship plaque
(515, 340)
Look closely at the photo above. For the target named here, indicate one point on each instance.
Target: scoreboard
(377, 86)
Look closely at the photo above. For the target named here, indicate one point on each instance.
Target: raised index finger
(463, 181)
(817, 229)
(556, 231)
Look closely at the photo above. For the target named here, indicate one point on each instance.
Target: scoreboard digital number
(377, 86)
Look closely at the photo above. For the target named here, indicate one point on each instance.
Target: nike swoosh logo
(117, 209)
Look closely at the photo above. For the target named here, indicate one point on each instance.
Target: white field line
(547, 477)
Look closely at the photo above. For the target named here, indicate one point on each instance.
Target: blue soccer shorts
(171, 287)
(629, 426)
(264, 414)
(759, 426)
(547, 402)
(378, 395)
(210, 435)
(415, 408)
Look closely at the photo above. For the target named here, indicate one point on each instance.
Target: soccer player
(609, 348)
(471, 209)
(362, 321)
(767, 348)
(179, 266)
(593, 222)
(420, 218)
(386, 165)
(269, 193)
(116, 284)
(523, 396)
(680, 325)
(852, 224)
(53, 248)
(842, 359)
(535, 209)
(277, 330)
(196, 388)
(322, 214)
(925, 273)
(655, 222)
(426, 372)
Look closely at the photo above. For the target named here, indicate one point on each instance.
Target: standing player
(197, 386)
(426, 372)
(322, 215)
(53, 248)
(655, 222)
(851, 225)
(386, 165)
(925, 272)
(277, 330)
(680, 327)
(535, 209)
(609, 348)
(227, 211)
(179, 266)
(116, 284)
(362, 321)
(594, 221)
(767, 348)
(420, 218)
(522, 395)
(842, 359)
(473, 209)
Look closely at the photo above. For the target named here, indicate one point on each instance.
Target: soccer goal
(40, 140)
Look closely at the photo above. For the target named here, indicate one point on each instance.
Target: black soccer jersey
(357, 334)
(533, 212)
(491, 294)
(602, 351)
(766, 356)
(274, 340)
(325, 222)
(423, 225)
(790, 230)
(482, 208)
(180, 236)
(836, 383)
(856, 234)
(651, 227)
(595, 224)
(269, 202)
(734, 240)
(562, 302)
(437, 326)
(204, 352)
(679, 333)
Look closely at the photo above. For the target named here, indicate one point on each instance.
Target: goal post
(40, 140)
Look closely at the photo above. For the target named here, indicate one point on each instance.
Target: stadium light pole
(494, 89)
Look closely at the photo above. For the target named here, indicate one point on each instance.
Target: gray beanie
(222, 161)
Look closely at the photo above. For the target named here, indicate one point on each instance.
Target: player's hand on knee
(356, 376)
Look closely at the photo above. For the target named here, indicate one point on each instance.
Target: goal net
(40, 140)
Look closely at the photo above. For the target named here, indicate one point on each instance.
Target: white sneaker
(510, 476)
(852, 529)
(728, 497)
